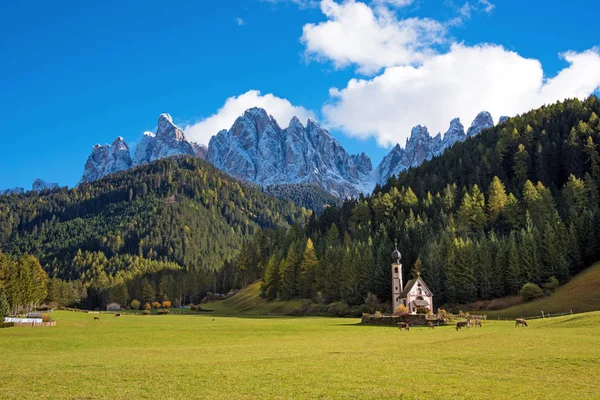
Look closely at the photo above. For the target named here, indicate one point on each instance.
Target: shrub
(445, 315)
(530, 291)
(7, 324)
(423, 310)
(400, 310)
(156, 304)
(551, 285)
(339, 308)
(135, 304)
(46, 318)
(163, 311)
(147, 312)
(166, 304)
(147, 307)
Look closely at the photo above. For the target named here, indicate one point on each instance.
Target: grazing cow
(117, 315)
(520, 322)
(96, 318)
(478, 323)
(463, 324)
(403, 325)
(431, 325)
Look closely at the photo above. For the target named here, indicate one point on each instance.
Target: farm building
(113, 307)
(415, 295)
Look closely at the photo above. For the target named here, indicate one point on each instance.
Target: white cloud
(460, 83)
(240, 21)
(281, 109)
(355, 33)
(488, 7)
(394, 3)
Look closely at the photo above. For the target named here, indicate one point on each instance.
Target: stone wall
(389, 320)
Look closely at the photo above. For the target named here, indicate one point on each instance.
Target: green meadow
(225, 357)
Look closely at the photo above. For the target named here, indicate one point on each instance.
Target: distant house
(113, 307)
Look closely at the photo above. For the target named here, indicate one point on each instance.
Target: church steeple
(397, 286)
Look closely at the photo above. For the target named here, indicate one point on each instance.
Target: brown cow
(117, 315)
(463, 324)
(96, 318)
(478, 323)
(403, 325)
(520, 322)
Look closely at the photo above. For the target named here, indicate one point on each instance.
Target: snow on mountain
(106, 160)
(502, 119)
(256, 149)
(421, 146)
(40, 184)
(456, 133)
(169, 140)
(482, 120)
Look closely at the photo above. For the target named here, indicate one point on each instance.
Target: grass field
(194, 356)
(580, 294)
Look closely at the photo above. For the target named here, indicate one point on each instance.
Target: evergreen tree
(308, 268)
(497, 199)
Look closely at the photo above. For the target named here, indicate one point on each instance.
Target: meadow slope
(580, 294)
(248, 301)
(217, 357)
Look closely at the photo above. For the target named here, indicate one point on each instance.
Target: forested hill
(516, 204)
(307, 195)
(180, 210)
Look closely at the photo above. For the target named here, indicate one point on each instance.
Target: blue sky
(79, 73)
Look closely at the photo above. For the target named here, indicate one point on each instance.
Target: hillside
(248, 301)
(305, 195)
(517, 203)
(580, 294)
(177, 213)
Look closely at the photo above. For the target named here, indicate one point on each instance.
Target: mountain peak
(106, 160)
(40, 184)
(165, 116)
(482, 121)
(169, 140)
(257, 150)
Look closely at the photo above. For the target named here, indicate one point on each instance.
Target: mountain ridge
(257, 150)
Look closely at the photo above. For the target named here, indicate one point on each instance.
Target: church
(415, 294)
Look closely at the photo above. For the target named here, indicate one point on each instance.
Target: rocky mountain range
(257, 149)
(421, 146)
(169, 140)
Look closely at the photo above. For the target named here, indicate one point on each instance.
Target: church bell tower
(397, 286)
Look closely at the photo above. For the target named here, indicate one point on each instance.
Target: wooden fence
(543, 315)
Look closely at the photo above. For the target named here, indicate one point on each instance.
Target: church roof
(421, 303)
(411, 283)
(408, 287)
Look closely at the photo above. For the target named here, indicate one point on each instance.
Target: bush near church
(530, 291)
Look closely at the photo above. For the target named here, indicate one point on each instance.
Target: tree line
(517, 204)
